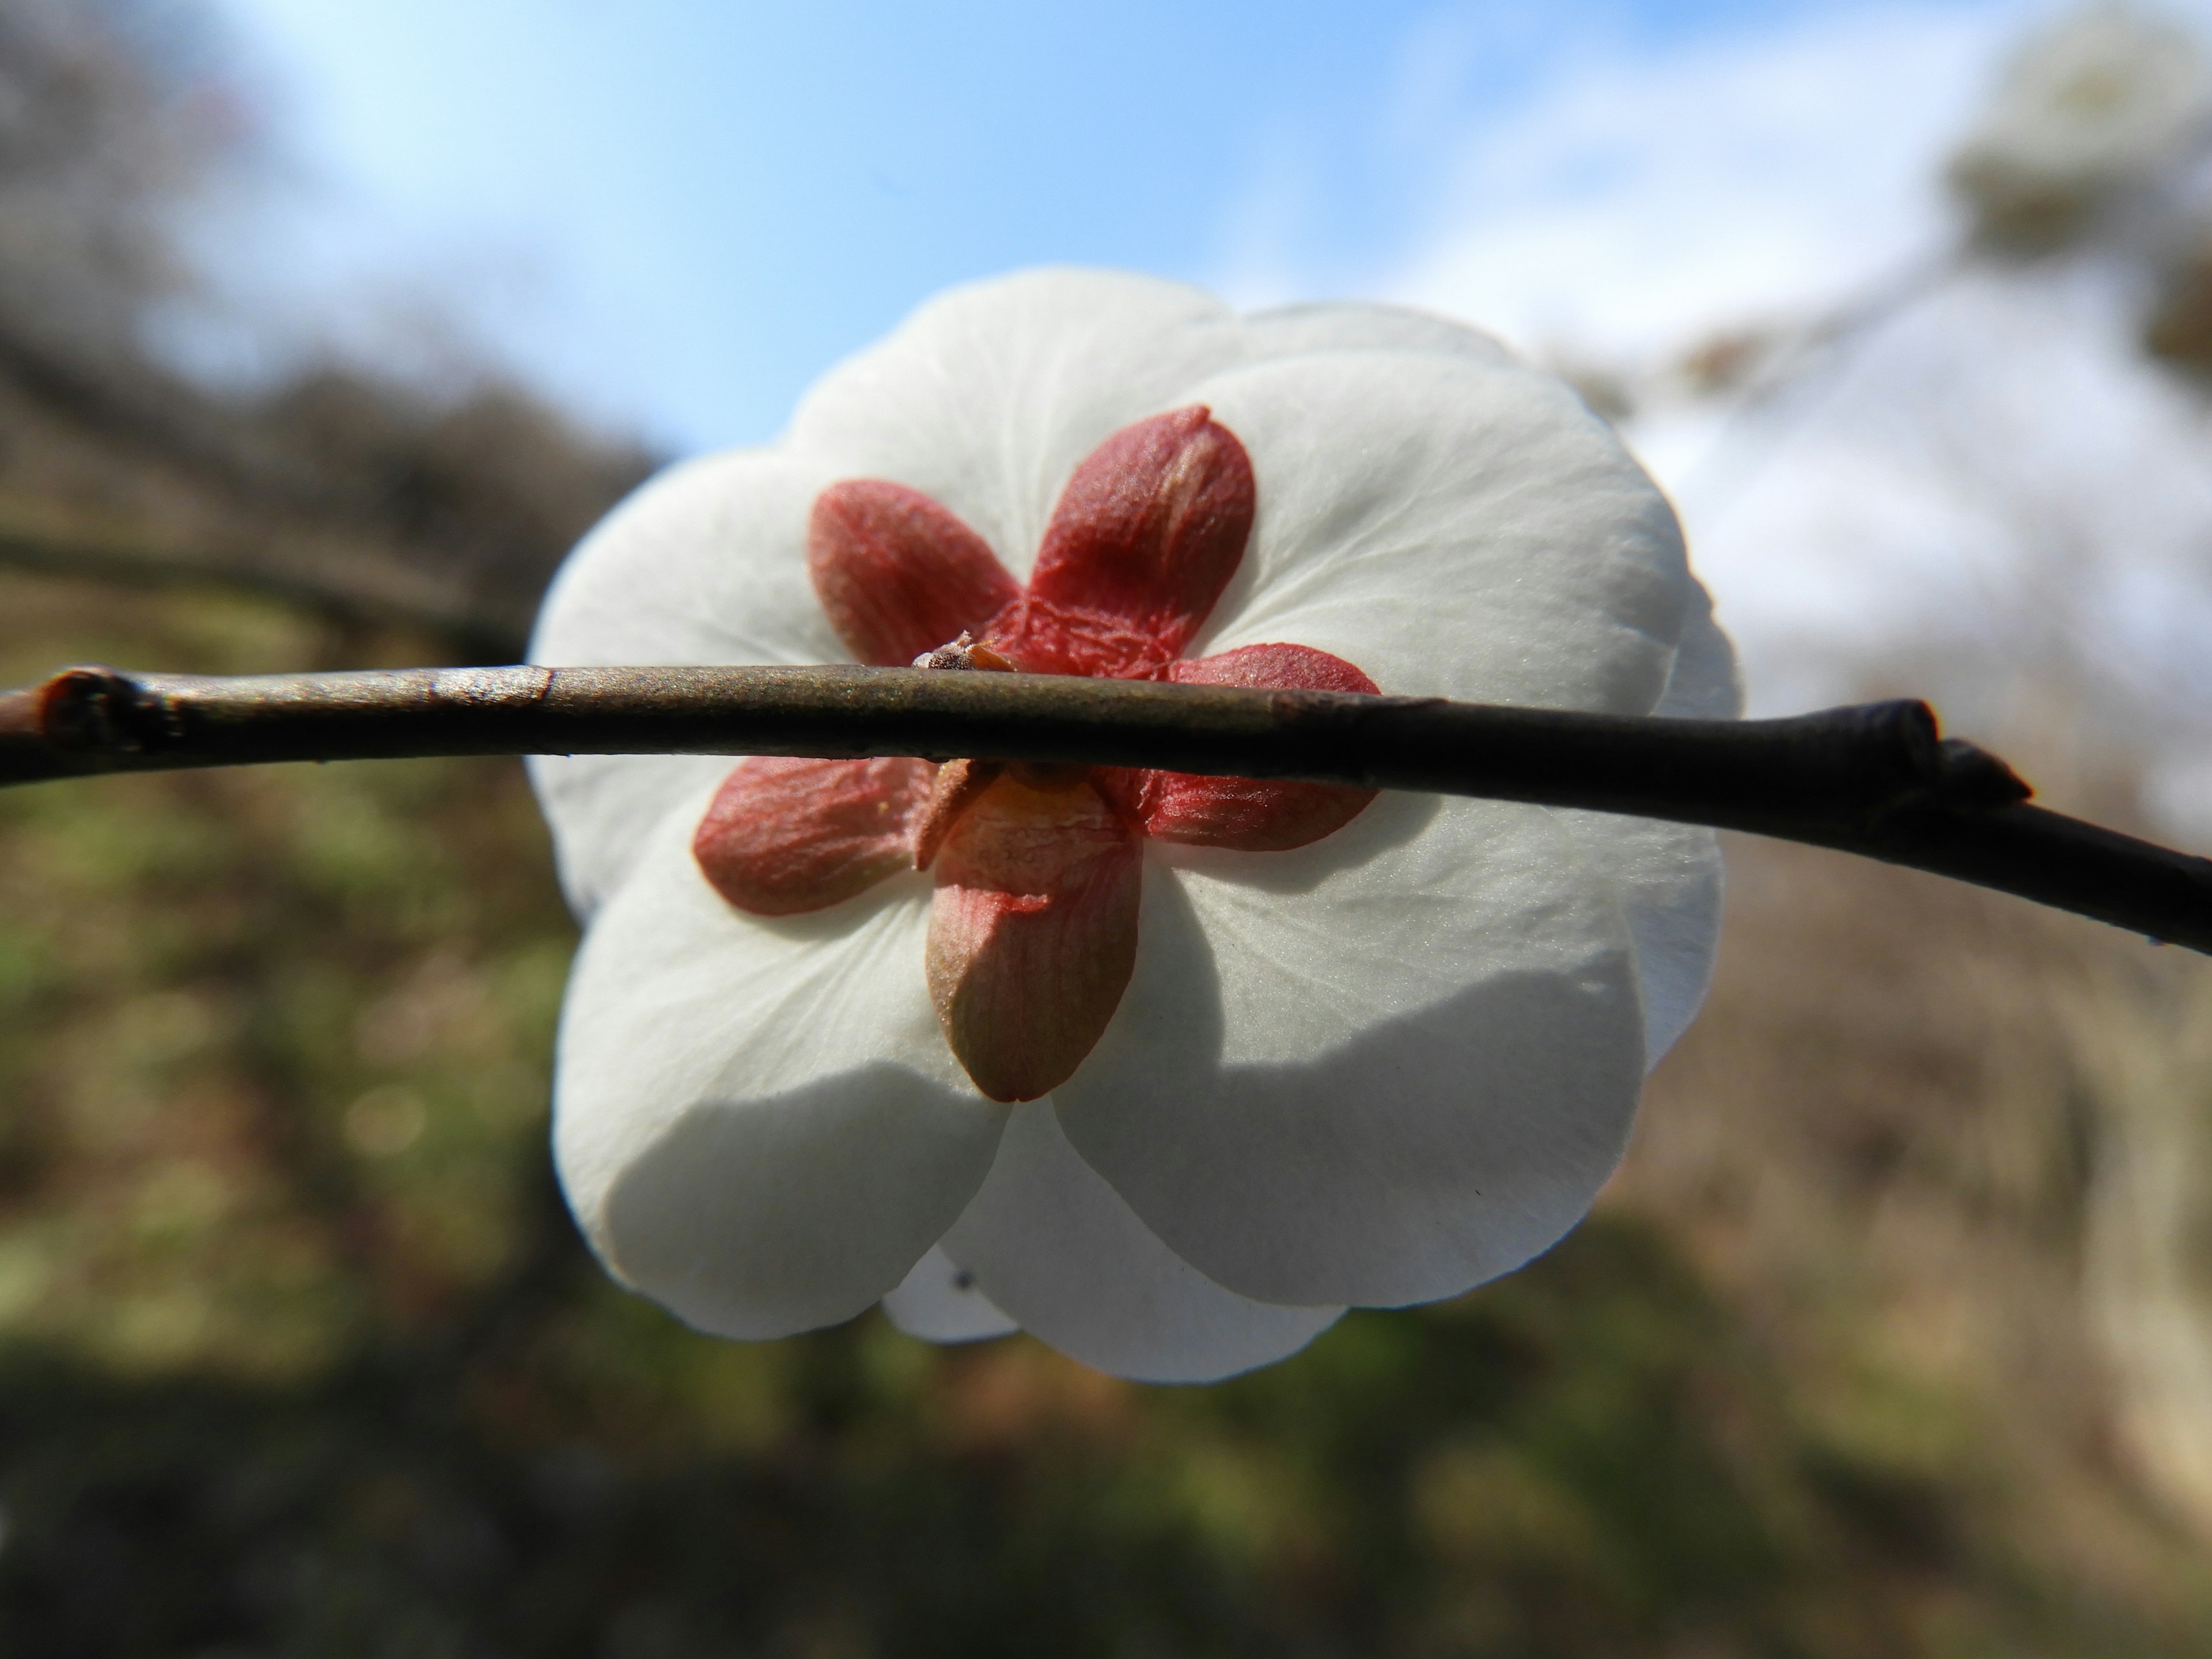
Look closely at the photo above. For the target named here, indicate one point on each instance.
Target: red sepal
(1044, 638)
(1146, 535)
(898, 574)
(1250, 814)
(1033, 933)
(959, 784)
(784, 835)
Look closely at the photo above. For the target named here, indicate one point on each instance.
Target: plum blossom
(1165, 1071)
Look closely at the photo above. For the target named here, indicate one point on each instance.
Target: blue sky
(678, 212)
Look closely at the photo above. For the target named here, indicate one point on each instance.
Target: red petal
(1248, 813)
(898, 574)
(784, 836)
(1151, 526)
(1033, 933)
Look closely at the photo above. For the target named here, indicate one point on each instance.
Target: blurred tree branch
(349, 583)
(354, 497)
(443, 500)
(1875, 779)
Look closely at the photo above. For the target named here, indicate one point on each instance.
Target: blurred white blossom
(2096, 103)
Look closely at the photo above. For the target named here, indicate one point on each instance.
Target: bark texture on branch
(1876, 779)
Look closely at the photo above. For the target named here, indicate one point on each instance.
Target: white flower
(1377, 1068)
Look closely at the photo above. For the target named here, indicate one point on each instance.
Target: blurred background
(324, 330)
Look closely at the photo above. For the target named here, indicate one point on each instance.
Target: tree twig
(1875, 779)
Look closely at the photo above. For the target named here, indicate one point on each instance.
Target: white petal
(940, 1302)
(1053, 1244)
(758, 1123)
(987, 396)
(1377, 1070)
(706, 564)
(1667, 878)
(1704, 684)
(1668, 875)
(1455, 528)
(1290, 331)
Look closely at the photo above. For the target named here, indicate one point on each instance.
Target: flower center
(964, 653)
(1038, 865)
(961, 783)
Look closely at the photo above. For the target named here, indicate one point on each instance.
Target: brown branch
(1875, 780)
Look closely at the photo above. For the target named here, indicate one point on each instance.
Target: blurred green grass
(300, 1356)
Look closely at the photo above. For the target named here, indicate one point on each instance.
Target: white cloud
(1627, 204)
